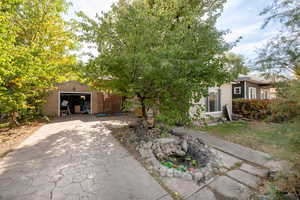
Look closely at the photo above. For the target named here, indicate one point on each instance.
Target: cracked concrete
(75, 159)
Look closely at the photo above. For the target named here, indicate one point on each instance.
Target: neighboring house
(214, 104)
(74, 98)
(250, 87)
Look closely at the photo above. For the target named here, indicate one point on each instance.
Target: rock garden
(184, 158)
(171, 155)
(191, 166)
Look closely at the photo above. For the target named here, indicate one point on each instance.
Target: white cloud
(249, 49)
(92, 7)
(242, 32)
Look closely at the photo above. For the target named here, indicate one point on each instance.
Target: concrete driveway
(75, 158)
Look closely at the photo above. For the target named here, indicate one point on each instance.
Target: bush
(289, 104)
(252, 109)
(283, 110)
(276, 110)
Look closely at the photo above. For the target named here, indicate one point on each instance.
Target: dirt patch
(11, 138)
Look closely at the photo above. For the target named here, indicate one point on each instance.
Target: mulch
(11, 138)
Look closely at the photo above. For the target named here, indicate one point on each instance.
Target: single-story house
(73, 97)
(215, 103)
(250, 87)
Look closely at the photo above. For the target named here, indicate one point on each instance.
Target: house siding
(249, 84)
(50, 108)
(238, 96)
(245, 94)
(226, 99)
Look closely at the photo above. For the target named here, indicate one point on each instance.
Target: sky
(241, 17)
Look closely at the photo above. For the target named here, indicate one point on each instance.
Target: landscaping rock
(160, 152)
(184, 145)
(163, 171)
(187, 176)
(148, 145)
(177, 174)
(197, 150)
(170, 172)
(167, 140)
(198, 176)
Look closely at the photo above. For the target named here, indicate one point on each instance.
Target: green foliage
(276, 110)
(34, 53)
(251, 108)
(288, 104)
(281, 55)
(164, 52)
(236, 64)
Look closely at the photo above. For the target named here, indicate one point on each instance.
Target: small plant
(236, 165)
(188, 158)
(194, 162)
(164, 133)
(168, 164)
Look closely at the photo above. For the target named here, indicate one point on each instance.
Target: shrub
(252, 109)
(276, 110)
(288, 105)
(282, 110)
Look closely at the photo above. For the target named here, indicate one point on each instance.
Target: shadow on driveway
(75, 159)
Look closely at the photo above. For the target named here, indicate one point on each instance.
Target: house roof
(253, 79)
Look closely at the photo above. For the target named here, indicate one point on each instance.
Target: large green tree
(164, 52)
(35, 44)
(281, 55)
(236, 64)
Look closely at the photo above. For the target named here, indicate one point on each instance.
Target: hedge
(252, 108)
(274, 109)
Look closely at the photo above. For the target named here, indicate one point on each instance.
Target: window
(213, 101)
(237, 90)
(264, 94)
(252, 93)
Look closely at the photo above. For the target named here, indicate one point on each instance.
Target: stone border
(149, 152)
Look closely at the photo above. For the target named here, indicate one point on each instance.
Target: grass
(271, 138)
(4, 125)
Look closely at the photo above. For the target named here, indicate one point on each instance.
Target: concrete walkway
(243, 171)
(75, 159)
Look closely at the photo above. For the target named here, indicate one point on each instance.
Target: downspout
(245, 90)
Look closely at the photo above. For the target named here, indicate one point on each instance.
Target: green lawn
(3, 125)
(272, 138)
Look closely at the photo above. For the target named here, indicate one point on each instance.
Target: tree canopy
(164, 52)
(35, 44)
(281, 55)
(236, 64)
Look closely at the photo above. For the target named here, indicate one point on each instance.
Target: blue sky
(241, 17)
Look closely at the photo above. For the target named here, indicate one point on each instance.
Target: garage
(73, 97)
(75, 103)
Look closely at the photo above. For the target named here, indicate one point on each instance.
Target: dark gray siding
(238, 96)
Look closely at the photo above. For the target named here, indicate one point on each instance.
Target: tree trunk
(123, 107)
(13, 119)
(144, 111)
